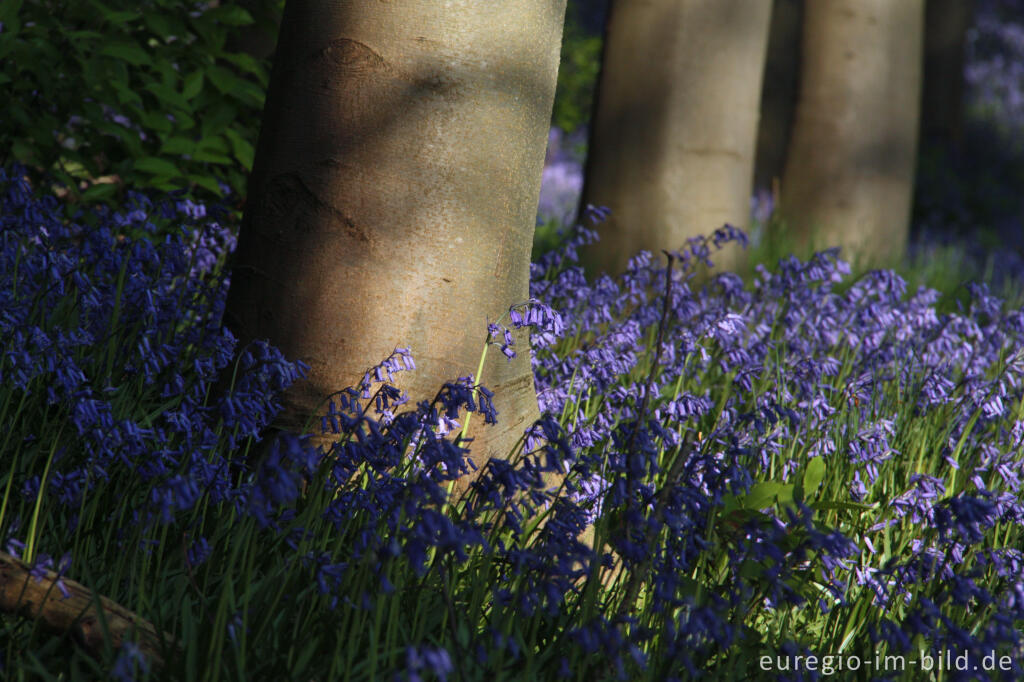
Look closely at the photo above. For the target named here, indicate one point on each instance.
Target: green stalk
(30, 547)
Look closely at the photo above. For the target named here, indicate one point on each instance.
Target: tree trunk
(675, 124)
(850, 166)
(945, 44)
(394, 193)
(778, 96)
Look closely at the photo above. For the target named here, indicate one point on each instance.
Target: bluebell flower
(131, 664)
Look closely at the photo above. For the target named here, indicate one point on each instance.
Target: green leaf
(765, 493)
(21, 151)
(230, 15)
(156, 121)
(250, 94)
(158, 24)
(211, 157)
(125, 95)
(814, 474)
(163, 183)
(731, 521)
(223, 80)
(751, 571)
(175, 146)
(113, 16)
(240, 147)
(245, 62)
(809, 479)
(169, 97)
(127, 51)
(207, 183)
(120, 18)
(9, 12)
(215, 143)
(184, 121)
(84, 36)
(7, 45)
(193, 85)
(100, 192)
(217, 119)
(156, 166)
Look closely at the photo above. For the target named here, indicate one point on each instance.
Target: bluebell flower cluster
(741, 453)
(71, 292)
(796, 354)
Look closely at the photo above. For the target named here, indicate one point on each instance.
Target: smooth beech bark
(394, 196)
(849, 171)
(675, 123)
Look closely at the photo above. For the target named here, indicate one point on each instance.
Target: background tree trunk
(850, 165)
(394, 196)
(778, 95)
(674, 125)
(945, 46)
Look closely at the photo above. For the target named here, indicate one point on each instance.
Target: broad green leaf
(224, 80)
(765, 493)
(7, 45)
(245, 62)
(193, 85)
(731, 520)
(159, 24)
(86, 37)
(155, 121)
(217, 119)
(751, 571)
(240, 147)
(183, 120)
(206, 182)
(163, 183)
(215, 144)
(9, 12)
(808, 479)
(177, 146)
(120, 18)
(212, 157)
(168, 75)
(814, 473)
(113, 16)
(249, 94)
(168, 96)
(21, 150)
(156, 166)
(129, 52)
(126, 95)
(231, 15)
(100, 192)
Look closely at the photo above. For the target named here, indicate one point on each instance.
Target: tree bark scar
(351, 57)
(286, 197)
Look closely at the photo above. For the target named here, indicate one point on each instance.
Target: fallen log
(39, 597)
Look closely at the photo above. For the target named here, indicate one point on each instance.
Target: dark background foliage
(151, 92)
